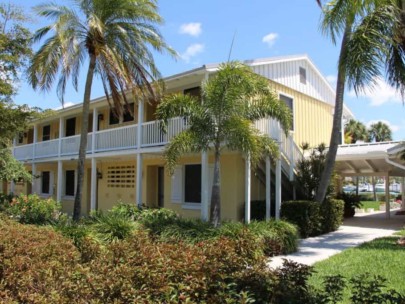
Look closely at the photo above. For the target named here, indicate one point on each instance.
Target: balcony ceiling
(368, 159)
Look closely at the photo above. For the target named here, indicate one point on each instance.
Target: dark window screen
(192, 184)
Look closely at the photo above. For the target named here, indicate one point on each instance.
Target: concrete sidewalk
(359, 229)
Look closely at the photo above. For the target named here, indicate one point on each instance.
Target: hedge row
(313, 218)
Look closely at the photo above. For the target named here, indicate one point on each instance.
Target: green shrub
(188, 230)
(129, 210)
(331, 214)
(5, 200)
(304, 214)
(351, 201)
(112, 226)
(31, 209)
(156, 220)
(279, 237)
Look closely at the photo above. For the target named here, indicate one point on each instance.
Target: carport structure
(373, 159)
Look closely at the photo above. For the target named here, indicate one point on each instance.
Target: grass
(370, 204)
(381, 256)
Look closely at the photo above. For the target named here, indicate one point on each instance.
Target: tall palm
(232, 99)
(115, 38)
(379, 131)
(355, 130)
(367, 30)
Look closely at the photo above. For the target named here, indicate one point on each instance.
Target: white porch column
(247, 189)
(278, 188)
(291, 156)
(268, 189)
(204, 187)
(61, 134)
(139, 164)
(95, 126)
(59, 186)
(34, 180)
(387, 196)
(93, 190)
(12, 187)
(403, 194)
(139, 158)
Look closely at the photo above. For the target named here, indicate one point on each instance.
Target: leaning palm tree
(379, 132)
(231, 101)
(367, 28)
(355, 130)
(115, 38)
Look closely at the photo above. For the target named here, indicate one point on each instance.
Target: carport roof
(368, 159)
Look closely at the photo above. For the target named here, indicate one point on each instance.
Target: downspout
(394, 164)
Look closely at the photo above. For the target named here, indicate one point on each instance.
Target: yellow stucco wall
(313, 119)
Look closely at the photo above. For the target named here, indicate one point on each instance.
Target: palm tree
(231, 100)
(367, 28)
(379, 131)
(355, 130)
(114, 38)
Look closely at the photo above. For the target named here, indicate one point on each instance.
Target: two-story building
(124, 156)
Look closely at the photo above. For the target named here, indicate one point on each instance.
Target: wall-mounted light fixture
(100, 117)
(99, 175)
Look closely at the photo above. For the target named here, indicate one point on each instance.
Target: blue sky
(201, 31)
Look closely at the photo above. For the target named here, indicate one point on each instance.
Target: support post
(139, 180)
(204, 187)
(291, 152)
(35, 140)
(247, 189)
(60, 181)
(403, 194)
(268, 189)
(278, 188)
(95, 126)
(12, 187)
(387, 196)
(93, 190)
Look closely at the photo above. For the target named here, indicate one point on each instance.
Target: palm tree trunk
(215, 209)
(83, 138)
(337, 121)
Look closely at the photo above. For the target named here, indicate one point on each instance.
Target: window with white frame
(289, 101)
(303, 75)
(70, 182)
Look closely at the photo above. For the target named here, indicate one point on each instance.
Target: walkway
(362, 228)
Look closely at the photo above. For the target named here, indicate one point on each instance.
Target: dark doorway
(161, 186)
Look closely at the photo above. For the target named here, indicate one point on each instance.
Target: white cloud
(382, 93)
(270, 39)
(192, 29)
(65, 105)
(394, 128)
(332, 80)
(192, 51)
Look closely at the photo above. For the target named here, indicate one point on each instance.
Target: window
(45, 185)
(192, 184)
(46, 133)
(128, 109)
(114, 119)
(70, 183)
(70, 127)
(121, 177)
(195, 92)
(303, 75)
(289, 102)
(20, 137)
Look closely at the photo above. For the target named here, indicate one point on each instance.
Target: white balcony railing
(125, 138)
(116, 139)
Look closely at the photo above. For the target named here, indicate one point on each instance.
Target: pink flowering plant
(31, 209)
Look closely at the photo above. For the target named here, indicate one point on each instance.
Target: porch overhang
(370, 159)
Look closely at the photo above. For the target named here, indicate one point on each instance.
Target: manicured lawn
(370, 204)
(382, 257)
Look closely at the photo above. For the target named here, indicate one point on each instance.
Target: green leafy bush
(305, 214)
(331, 214)
(129, 210)
(5, 200)
(188, 230)
(112, 226)
(278, 237)
(156, 220)
(351, 201)
(31, 209)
